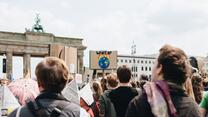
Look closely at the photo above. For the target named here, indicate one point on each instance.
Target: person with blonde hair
(189, 88)
(97, 92)
(196, 78)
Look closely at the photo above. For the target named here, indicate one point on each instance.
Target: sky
(115, 24)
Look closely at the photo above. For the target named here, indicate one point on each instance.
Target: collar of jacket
(176, 89)
(50, 95)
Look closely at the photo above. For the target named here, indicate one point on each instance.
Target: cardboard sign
(104, 60)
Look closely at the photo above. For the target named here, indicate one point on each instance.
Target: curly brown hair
(197, 83)
(175, 65)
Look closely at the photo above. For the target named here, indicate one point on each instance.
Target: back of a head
(112, 80)
(175, 66)
(133, 84)
(202, 67)
(124, 74)
(97, 88)
(143, 77)
(103, 82)
(197, 83)
(194, 63)
(52, 74)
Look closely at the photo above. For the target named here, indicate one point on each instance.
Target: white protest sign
(86, 94)
(78, 78)
(71, 92)
(8, 100)
(1, 95)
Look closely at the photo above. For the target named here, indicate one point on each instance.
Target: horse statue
(37, 27)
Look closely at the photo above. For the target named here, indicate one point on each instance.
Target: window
(121, 60)
(129, 61)
(149, 68)
(146, 62)
(141, 61)
(138, 61)
(142, 68)
(132, 68)
(145, 68)
(125, 61)
(134, 61)
(149, 62)
(136, 69)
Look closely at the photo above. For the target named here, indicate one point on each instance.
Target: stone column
(80, 62)
(26, 66)
(9, 65)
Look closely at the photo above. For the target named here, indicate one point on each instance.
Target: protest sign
(8, 102)
(86, 94)
(71, 92)
(78, 78)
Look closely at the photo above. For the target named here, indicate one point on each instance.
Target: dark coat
(50, 101)
(121, 97)
(185, 106)
(107, 108)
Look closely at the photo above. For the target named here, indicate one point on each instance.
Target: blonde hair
(97, 88)
(189, 88)
(112, 80)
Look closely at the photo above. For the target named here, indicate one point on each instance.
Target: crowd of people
(177, 89)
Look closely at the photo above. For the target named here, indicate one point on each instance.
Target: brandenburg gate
(39, 44)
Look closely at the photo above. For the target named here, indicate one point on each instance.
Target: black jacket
(121, 97)
(185, 106)
(48, 102)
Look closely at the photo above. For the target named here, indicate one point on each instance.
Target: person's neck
(175, 84)
(111, 88)
(124, 84)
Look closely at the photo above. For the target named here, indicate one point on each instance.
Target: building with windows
(138, 64)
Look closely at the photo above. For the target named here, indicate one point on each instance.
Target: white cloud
(115, 24)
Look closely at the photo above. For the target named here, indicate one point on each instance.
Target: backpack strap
(36, 108)
(58, 110)
(18, 111)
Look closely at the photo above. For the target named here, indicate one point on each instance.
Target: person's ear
(40, 86)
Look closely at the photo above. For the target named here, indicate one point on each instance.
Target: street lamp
(133, 52)
(4, 64)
